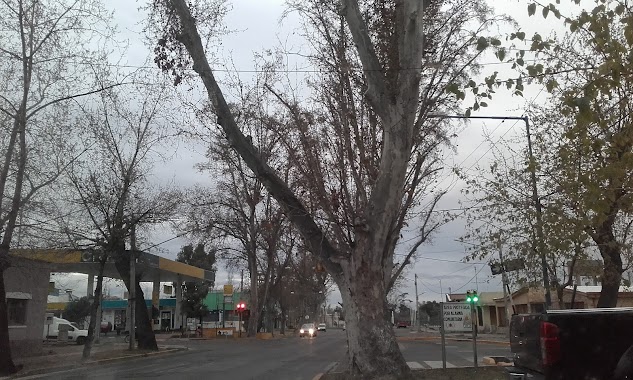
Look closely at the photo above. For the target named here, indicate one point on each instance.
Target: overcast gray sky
(256, 25)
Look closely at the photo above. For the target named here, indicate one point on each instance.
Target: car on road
(402, 325)
(321, 327)
(308, 329)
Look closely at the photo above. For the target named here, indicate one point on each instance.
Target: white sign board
(457, 317)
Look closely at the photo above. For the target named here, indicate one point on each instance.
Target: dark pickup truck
(580, 344)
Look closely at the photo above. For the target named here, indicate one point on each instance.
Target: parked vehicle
(580, 344)
(321, 327)
(402, 325)
(51, 330)
(308, 329)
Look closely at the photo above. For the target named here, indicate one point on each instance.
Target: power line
(494, 144)
(444, 260)
(428, 287)
(173, 238)
(286, 71)
(471, 280)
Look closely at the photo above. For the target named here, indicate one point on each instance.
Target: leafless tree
(110, 184)
(399, 90)
(46, 50)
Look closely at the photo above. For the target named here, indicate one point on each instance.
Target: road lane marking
(415, 365)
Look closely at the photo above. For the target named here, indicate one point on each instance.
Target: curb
(432, 338)
(89, 363)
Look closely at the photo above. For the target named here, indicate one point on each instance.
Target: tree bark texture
(372, 345)
(93, 313)
(253, 318)
(146, 337)
(612, 270)
(360, 272)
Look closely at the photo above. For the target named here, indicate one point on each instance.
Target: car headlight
(311, 331)
(301, 331)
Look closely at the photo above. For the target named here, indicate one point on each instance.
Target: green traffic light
(475, 299)
(468, 299)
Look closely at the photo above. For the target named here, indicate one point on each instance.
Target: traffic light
(241, 306)
(472, 297)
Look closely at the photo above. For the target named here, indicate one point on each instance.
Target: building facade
(26, 284)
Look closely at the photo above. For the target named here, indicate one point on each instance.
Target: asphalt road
(290, 358)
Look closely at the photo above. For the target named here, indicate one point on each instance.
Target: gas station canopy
(149, 267)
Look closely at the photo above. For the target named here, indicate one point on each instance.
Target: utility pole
(417, 304)
(132, 290)
(540, 236)
(504, 284)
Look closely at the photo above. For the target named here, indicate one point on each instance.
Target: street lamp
(540, 235)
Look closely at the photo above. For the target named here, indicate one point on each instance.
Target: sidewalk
(59, 357)
(500, 339)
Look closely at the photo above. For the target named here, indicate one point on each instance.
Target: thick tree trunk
(612, 270)
(145, 334)
(373, 351)
(560, 294)
(93, 313)
(611, 276)
(7, 367)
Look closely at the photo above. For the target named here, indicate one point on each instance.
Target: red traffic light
(241, 306)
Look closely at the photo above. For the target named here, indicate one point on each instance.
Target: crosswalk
(429, 364)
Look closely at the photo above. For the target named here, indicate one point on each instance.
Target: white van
(53, 324)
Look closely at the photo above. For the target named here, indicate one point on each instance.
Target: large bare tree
(111, 182)
(46, 49)
(361, 261)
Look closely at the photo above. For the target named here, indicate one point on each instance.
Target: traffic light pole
(503, 285)
(472, 298)
(443, 335)
(474, 323)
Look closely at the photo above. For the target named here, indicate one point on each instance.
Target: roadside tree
(46, 49)
(357, 249)
(194, 293)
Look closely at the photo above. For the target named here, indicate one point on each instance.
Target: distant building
(26, 284)
(216, 302)
(491, 311)
(115, 312)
